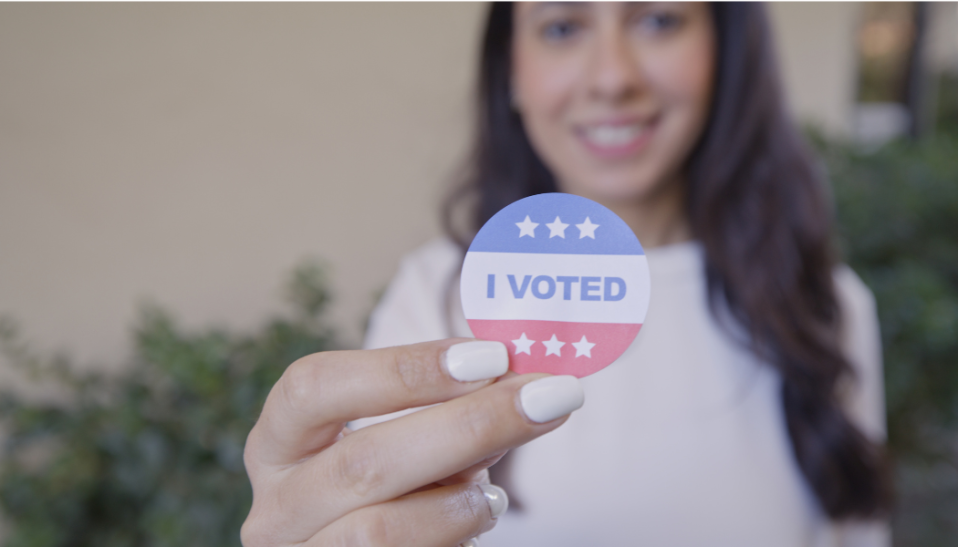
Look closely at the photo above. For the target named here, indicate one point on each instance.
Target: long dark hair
(761, 210)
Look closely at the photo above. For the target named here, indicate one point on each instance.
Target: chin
(612, 187)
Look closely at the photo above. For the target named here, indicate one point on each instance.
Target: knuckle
(371, 529)
(248, 535)
(358, 467)
(254, 534)
(408, 370)
(297, 387)
(472, 508)
(376, 531)
(266, 523)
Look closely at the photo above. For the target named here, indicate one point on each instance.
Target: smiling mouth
(616, 139)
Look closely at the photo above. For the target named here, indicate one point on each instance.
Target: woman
(747, 412)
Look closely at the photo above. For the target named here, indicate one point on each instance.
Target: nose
(615, 73)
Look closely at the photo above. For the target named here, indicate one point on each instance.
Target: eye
(560, 30)
(660, 22)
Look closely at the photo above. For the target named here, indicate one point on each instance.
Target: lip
(618, 137)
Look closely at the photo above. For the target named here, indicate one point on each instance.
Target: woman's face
(613, 96)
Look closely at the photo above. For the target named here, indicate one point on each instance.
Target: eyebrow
(545, 5)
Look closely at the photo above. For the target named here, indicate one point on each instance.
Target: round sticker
(561, 280)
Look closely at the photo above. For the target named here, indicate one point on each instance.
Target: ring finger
(441, 517)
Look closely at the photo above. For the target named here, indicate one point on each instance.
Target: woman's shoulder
(411, 308)
(854, 296)
(861, 341)
(437, 257)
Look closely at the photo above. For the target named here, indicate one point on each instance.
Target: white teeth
(613, 135)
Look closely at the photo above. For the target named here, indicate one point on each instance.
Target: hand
(414, 480)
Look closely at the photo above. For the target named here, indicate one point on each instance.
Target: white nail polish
(497, 498)
(474, 542)
(478, 360)
(549, 398)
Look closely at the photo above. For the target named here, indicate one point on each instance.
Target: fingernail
(549, 398)
(474, 542)
(478, 360)
(497, 498)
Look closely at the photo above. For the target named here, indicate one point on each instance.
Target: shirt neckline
(676, 258)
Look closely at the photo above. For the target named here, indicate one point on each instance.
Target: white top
(681, 442)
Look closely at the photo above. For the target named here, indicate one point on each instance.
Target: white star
(583, 347)
(553, 346)
(527, 227)
(523, 345)
(587, 229)
(557, 228)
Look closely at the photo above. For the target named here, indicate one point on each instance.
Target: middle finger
(387, 460)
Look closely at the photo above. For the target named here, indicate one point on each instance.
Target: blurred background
(169, 173)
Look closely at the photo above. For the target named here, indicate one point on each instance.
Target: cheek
(682, 77)
(545, 87)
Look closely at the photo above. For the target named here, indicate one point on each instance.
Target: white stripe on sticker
(555, 287)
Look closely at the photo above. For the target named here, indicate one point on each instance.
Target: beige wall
(943, 36)
(816, 52)
(192, 154)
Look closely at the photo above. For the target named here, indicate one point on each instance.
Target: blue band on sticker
(557, 224)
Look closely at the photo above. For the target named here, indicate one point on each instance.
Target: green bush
(152, 456)
(898, 217)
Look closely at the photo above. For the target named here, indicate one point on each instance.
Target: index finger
(310, 404)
